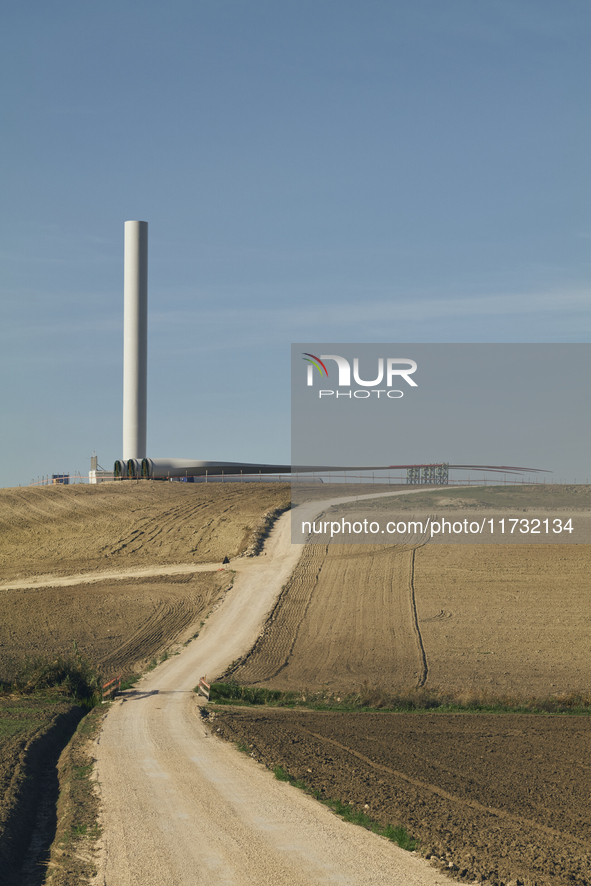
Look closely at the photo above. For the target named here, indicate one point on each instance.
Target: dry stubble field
(119, 625)
(510, 620)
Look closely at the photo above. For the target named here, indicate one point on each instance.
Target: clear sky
(311, 170)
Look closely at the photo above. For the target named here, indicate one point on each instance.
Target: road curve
(182, 808)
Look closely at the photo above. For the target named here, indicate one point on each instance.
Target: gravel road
(80, 578)
(181, 808)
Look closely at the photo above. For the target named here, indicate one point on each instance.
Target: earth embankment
(67, 529)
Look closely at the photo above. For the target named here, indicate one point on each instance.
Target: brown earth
(121, 625)
(511, 620)
(69, 529)
(503, 798)
(118, 626)
(469, 618)
(497, 798)
(32, 733)
(505, 620)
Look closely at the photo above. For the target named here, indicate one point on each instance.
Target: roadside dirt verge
(73, 852)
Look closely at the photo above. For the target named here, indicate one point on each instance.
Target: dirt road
(80, 578)
(182, 808)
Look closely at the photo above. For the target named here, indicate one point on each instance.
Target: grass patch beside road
(371, 700)
(397, 834)
(68, 677)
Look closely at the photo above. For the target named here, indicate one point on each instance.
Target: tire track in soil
(272, 651)
(169, 529)
(151, 527)
(163, 626)
(415, 622)
(165, 622)
(440, 792)
(408, 658)
(76, 528)
(322, 624)
(443, 613)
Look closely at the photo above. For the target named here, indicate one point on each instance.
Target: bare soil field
(499, 797)
(118, 626)
(511, 620)
(496, 798)
(503, 620)
(345, 617)
(67, 529)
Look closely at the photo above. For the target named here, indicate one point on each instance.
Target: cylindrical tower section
(135, 340)
(119, 470)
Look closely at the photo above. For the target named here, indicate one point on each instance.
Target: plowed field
(509, 620)
(106, 530)
(68, 529)
(501, 798)
(118, 626)
(344, 616)
(468, 619)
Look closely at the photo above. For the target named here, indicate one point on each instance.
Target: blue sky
(319, 170)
